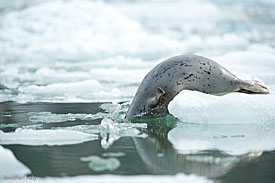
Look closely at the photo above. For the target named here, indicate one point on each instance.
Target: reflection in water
(157, 153)
(152, 154)
(230, 139)
(100, 164)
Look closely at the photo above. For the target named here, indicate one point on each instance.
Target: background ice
(98, 51)
(76, 30)
(11, 165)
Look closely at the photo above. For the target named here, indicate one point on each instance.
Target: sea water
(69, 70)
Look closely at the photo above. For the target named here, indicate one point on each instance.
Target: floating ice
(45, 137)
(102, 164)
(179, 178)
(113, 154)
(234, 108)
(81, 81)
(230, 139)
(10, 165)
(110, 131)
(48, 117)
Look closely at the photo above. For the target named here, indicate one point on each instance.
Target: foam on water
(45, 137)
(230, 139)
(10, 165)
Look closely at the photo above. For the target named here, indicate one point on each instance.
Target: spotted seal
(186, 72)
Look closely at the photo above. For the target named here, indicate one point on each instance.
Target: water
(69, 69)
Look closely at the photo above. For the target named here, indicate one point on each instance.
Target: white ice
(9, 165)
(110, 130)
(45, 137)
(234, 108)
(234, 124)
(48, 117)
(77, 30)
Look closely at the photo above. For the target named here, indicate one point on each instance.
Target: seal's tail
(253, 87)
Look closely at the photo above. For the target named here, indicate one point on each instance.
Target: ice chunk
(48, 117)
(10, 165)
(102, 164)
(110, 131)
(234, 108)
(230, 139)
(45, 137)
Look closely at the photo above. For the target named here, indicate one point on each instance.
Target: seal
(186, 72)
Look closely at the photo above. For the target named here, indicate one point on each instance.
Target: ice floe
(10, 165)
(45, 137)
(234, 108)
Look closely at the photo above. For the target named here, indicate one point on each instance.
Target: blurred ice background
(87, 51)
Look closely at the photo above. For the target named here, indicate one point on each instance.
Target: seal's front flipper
(160, 92)
(253, 87)
(155, 100)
